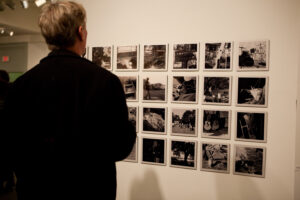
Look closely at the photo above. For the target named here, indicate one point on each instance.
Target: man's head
(63, 25)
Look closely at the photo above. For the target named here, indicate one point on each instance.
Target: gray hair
(59, 23)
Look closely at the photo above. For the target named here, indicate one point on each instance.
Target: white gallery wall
(116, 22)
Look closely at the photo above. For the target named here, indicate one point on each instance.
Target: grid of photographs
(195, 105)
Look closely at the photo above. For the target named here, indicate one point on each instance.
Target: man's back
(71, 126)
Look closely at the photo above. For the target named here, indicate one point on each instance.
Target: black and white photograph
(127, 58)
(185, 57)
(154, 151)
(183, 154)
(154, 120)
(130, 86)
(102, 56)
(217, 90)
(249, 160)
(133, 156)
(215, 157)
(155, 88)
(184, 89)
(251, 126)
(155, 57)
(252, 91)
(216, 124)
(218, 56)
(184, 122)
(253, 55)
(133, 116)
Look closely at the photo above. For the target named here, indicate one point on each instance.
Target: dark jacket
(67, 126)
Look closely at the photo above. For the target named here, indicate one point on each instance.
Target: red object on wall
(5, 58)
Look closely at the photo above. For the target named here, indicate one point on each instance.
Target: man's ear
(80, 33)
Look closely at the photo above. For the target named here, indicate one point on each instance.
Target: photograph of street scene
(218, 56)
(252, 91)
(154, 88)
(215, 157)
(183, 154)
(184, 122)
(251, 126)
(129, 84)
(216, 124)
(253, 55)
(249, 161)
(102, 56)
(153, 151)
(217, 90)
(184, 89)
(154, 120)
(185, 57)
(155, 57)
(127, 57)
(133, 116)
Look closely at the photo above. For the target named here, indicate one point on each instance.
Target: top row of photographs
(252, 56)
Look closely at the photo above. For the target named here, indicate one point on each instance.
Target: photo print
(251, 126)
(127, 58)
(185, 57)
(133, 156)
(183, 154)
(216, 124)
(155, 57)
(249, 161)
(253, 55)
(154, 120)
(130, 87)
(154, 151)
(217, 90)
(218, 56)
(102, 56)
(252, 91)
(215, 157)
(184, 122)
(133, 116)
(155, 88)
(184, 89)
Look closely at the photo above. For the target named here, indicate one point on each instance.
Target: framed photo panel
(102, 56)
(216, 124)
(154, 120)
(183, 154)
(251, 126)
(184, 89)
(133, 116)
(253, 55)
(155, 57)
(252, 91)
(133, 156)
(215, 157)
(155, 88)
(154, 151)
(217, 90)
(249, 160)
(218, 56)
(184, 121)
(130, 86)
(127, 58)
(185, 57)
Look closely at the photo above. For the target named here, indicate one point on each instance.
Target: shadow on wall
(146, 188)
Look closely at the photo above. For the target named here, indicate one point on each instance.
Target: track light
(11, 33)
(38, 3)
(2, 31)
(24, 4)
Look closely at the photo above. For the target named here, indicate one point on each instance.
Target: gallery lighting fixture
(24, 4)
(39, 3)
(5, 31)
(11, 33)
